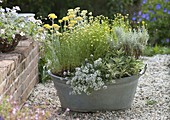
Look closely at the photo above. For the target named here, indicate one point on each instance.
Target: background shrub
(156, 14)
(60, 7)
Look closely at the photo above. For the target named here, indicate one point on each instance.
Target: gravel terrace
(151, 102)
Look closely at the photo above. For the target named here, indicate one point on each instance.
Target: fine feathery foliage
(132, 42)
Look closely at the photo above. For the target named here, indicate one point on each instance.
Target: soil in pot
(6, 46)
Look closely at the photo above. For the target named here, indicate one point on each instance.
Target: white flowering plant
(91, 52)
(13, 27)
(89, 77)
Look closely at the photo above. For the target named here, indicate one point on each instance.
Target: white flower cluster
(87, 78)
(11, 24)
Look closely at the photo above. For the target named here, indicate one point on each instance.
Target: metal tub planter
(117, 96)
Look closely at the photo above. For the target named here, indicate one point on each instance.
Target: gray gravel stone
(151, 102)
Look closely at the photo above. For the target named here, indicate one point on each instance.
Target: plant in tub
(92, 52)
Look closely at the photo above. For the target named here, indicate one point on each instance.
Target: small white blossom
(32, 19)
(91, 55)
(98, 62)
(13, 36)
(77, 69)
(22, 25)
(14, 111)
(107, 75)
(64, 73)
(2, 10)
(86, 78)
(68, 72)
(22, 33)
(8, 9)
(39, 22)
(99, 78)
(17, 8)
(98, 72)
(2, 31)
(85, 70)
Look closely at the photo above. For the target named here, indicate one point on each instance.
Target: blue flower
(167, 40)
(151, 11)
(168, 11)
(134, 13)
(140, 19)
(158, 6)
(165, 10)
(144, 1)
(140, 13)
(143, 15)
(133, 18)
(166, 0)
(154, 19)
(147, 17)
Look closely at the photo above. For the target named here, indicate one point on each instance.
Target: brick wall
(19, 70)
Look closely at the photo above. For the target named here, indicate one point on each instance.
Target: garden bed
(151, 100)
(19, 70)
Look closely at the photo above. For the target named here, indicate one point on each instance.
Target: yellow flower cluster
(122, 21)
(52, 16)
(65, 18)
(60, 21)
(56, 26)
(79, 18)
(74, 18)
(47, 26)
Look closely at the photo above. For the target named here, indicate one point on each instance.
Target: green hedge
(98, 7)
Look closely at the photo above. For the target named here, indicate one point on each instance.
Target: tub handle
(144, 70)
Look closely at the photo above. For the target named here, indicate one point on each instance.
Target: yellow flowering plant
(80, 40)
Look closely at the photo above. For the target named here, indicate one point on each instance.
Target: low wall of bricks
(19, 71)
